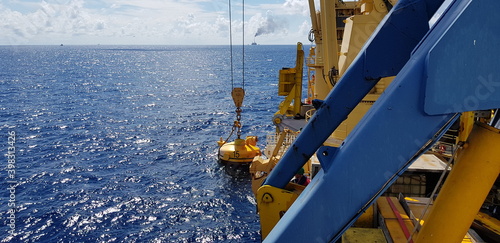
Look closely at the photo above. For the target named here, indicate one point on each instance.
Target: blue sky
(146, 22)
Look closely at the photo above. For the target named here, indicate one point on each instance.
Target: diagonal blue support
(461, 54)
(392, 134)
(396, 37)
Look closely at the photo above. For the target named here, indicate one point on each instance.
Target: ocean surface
(118, 143)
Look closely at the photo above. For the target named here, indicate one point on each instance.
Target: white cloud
(305, 28)
(297, 7)
(49, 20)
(144, 22)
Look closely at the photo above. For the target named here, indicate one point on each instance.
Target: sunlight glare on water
(117, 143)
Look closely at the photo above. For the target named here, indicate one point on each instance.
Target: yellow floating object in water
(237, 156)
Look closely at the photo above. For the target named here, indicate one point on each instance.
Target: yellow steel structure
(358, 29)
(329, 44)
(466, 124)
(490, 223)
(337, 45)
(273, 203)
(477, 165)
(356, 235)
(325, 63)
(476, 169)
(260, 168)
(326, 34)
(290, 85)
(328, 63)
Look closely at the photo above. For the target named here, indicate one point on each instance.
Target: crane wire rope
(236, 125)
(237, 93)
(243, 43)
(231, 50)
(231, 45)
(434, 191)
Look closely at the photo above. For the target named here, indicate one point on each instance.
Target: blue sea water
(117, 143)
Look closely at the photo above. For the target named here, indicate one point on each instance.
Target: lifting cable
(231, 45)
(238, 93)
(449, 162)
(231, 51)
(243, 43)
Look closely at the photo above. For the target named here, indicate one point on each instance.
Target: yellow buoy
(237, 156)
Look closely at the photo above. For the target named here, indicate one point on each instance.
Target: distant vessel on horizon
(254, 43)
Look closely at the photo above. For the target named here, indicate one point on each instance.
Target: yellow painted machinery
(290, 86)
(443, 73)
(353, 25)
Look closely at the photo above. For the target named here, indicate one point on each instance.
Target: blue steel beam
(384, 54)
(399, 127)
